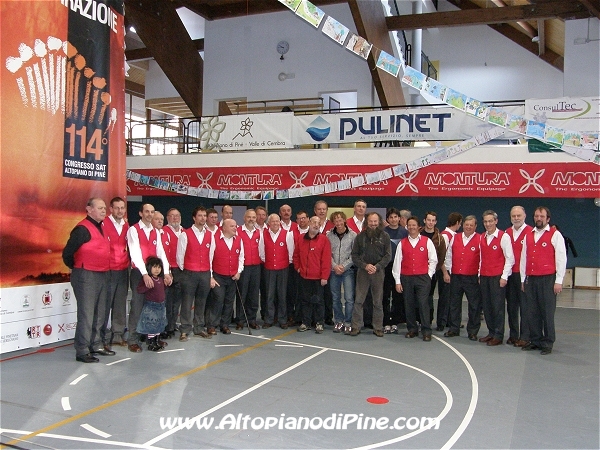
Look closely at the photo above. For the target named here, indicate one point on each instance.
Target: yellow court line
(144, 390)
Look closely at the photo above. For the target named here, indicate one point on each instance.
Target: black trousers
(515, 302)
(394, 313)
(540, 306)
(416, 296)
(313, 304)
(492, 296)
(468, 285)
(249, 284)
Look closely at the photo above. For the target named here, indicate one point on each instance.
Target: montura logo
(298, 180)
(204, 181)
(407, 182)
(532, 181)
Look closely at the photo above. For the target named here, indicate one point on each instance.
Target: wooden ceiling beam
(593, 6)
(369, 19)
(486, 16)
(140, 54)
(161, 30)
(226, 9)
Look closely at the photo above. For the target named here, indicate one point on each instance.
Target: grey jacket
(341, 249)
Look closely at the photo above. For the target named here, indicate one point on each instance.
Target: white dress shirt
(431, 257)
(135, 251)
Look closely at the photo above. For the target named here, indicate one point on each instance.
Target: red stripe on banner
(557, 180)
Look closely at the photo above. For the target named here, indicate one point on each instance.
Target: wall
(480, 62)
(582, 62)
(241, 60)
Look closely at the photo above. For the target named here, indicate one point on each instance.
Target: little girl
(153, 318)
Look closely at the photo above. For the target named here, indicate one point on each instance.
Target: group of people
(296, 273)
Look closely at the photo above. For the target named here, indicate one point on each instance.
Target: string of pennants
(583, 145)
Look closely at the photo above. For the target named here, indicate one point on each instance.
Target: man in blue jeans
(341, 239)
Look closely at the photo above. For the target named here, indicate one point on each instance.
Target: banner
(559, 180)
(246, 132)
(62, 116)
(569, 113)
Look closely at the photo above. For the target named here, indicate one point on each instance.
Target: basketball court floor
(281, 389)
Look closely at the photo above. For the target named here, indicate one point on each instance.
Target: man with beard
(312, 260)
(543, 266)
(371, 253)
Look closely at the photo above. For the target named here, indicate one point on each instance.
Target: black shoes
(530, 347)
(154, 344)
(88, 358)
(546, 351)
(451, 334)
(106, 351)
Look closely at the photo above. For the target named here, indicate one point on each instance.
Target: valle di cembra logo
(319, 129)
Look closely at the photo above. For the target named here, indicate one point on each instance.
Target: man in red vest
(461, 270)
(173, 301)
(356, 222)
(227, 260)
(414, 266)
(443, 308)
(515, 297)
(250, 278)
(321, 212)
(497, 261)
(543, 266)
(116, 228)
(143, 241)
(193, 258)
(292, 298)
(87, 254)
(312, 260)
(276, 251)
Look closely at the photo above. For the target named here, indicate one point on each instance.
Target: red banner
(569, 180)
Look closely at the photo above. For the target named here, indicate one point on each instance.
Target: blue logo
(319, 129)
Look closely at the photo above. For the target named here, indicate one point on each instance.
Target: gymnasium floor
(333, 391)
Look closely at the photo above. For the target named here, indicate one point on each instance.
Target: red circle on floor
(378, 400)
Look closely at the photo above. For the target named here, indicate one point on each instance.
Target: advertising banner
(422, 124)
(575, 180)
(569, 113)
(62, 116)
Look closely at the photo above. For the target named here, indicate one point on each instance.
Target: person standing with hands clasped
(153, 317)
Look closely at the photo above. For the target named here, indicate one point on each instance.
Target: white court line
(174, 350)
(91, 429)
(468, 415)
(232, 399)
(79, 439)
(289, 345)
(78, 379)
(117, 362)
(66, 405)
(229, 345)
(472, 404)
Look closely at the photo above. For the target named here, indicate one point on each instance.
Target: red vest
(328, 227)
(492, 256)
(197, 255)
(540, 257)
(276, 253)
(251, 257)
(225, 260)
(350, 223)
(169, 241)
(518, 245)
(147, 245)
(448, 235)
(94, 255)
(415, 261)
(465, 260)
(119, 256)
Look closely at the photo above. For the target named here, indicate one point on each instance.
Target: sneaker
(338, 328)
(387, 329)
(394, 329)
(303, 328)
(347, 330)
(319, 328)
